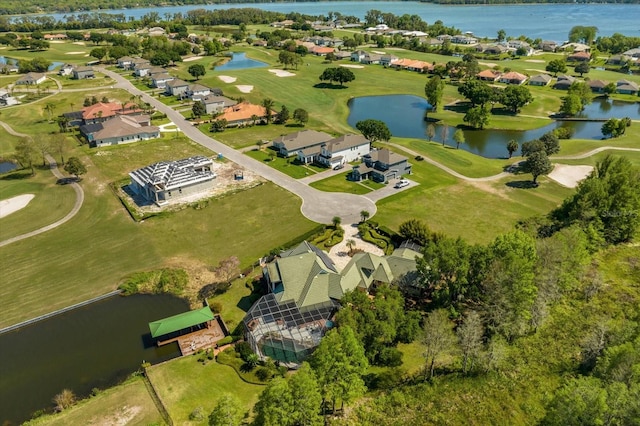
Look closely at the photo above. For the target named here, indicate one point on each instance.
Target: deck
(205, 338)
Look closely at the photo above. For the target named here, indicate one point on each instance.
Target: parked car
(402, 183)
(338, 167)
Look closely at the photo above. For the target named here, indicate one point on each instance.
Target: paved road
(54, 169)
(318, 206)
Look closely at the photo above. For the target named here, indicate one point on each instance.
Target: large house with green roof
(304, 293)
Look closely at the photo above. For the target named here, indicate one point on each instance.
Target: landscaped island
(400, 274)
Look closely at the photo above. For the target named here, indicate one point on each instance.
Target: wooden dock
(201, 339)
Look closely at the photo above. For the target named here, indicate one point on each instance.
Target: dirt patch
(245, 88)
(13, 204)
(488, 187)
(121, 417)
(282, 73)
(227, 79)
(569, 176)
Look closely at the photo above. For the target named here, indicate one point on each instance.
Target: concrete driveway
(317, 205)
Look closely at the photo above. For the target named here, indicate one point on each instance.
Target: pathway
(54, 169)
(318, 206)
(593, 152)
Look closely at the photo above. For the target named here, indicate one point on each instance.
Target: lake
(404, 115)
(54, 64)
(239, 61)
(7, 166)
(545, 21)
(95, 346)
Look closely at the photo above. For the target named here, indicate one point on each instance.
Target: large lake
(404, 115)
(546, 21)
(90, 347)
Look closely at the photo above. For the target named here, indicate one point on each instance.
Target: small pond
(404, 115)
(90, 347)
(5, 60)
(239, 61)
(7, 166)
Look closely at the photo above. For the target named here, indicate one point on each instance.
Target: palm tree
(351, 244)
(254, 119)
(268, 108)
(49, 108)
(364, 215)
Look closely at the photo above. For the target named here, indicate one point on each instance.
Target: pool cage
(284, 332)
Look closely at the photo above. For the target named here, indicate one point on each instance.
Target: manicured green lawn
(185, 384)
(634, 157)
(87, 83)
(242, 137)
(7, 143)
(285, 165)
(51, 202)
(128, 403)
(339, 183)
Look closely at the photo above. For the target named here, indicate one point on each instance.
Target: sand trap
(351, 66)
(282, 73)
(569, 176)
(14, 204)
(227, 79)
(56, 41)
(169, 127)
(75, 53)
(488, 64)
(379, 52)
(244, 88)
(535, 61)
(193, 58)
(535, 70)
(79, 43)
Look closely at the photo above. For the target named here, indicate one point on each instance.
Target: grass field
(339, 183)
(184, 384)
(285, 165)
(128, 403)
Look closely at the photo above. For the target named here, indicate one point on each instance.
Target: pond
(7, 166)
(95, 346)
(404, 115)
(54, 64)
(239, 61)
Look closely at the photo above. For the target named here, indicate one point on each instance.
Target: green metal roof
(180, 321)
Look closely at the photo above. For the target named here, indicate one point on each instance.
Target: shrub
(419, 158)
(564, 132)
(216, 307)
(198, 414)
(390, 357)
(244, 350)
(225, 341)
(264, 373)
(64, 399)
(159, 281)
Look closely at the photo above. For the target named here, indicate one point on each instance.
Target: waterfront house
(342, 150)
(548, 46)
(172, 180)
(381, 165)
(564, 82)
(626, 87)
(597, 86)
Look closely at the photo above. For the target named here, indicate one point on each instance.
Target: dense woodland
(540, 326)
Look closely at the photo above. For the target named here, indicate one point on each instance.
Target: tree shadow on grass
(294, 125)
(522, 184)
(328, 86)
(17, 175)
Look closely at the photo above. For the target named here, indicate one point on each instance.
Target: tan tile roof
(243, 111)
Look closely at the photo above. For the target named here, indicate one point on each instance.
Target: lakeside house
(119, 130)
(166, 181)
(597, 86)
(626, 87)
(581, 56)
(381, 165)
(304, 289)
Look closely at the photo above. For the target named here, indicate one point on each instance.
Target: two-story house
(381, 165)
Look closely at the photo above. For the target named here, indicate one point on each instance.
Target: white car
(402, 183)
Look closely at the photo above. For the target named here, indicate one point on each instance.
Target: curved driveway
(54, 169)
(317, 205)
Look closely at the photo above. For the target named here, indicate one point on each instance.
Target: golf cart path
(53, 165)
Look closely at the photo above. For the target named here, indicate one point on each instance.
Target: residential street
(318, 206)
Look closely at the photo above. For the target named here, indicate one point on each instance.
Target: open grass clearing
(7, 143)
(248, 136)
(128, 403)
(285, 165)
(86, 83)
(340, 183)
(633, 156)
(184, 384)
(51, 202)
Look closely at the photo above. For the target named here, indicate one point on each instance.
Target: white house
(197, 92)
(343, 149)
(160, 80)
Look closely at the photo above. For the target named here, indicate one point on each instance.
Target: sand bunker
(488, 64)
(379, 52)
(351, 66)
(80, 43)
(244, 88)
(535, 61)
(193, 58)
(227, 79)
(569, 176)
(13, 204)
(75, 53)
(282, 73)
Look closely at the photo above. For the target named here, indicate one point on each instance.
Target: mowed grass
(185, 384)
(339, 183)
(128, 403)
(7, 143)
(57, 52)
(285, 165)
(632, 156)
(51, 202)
